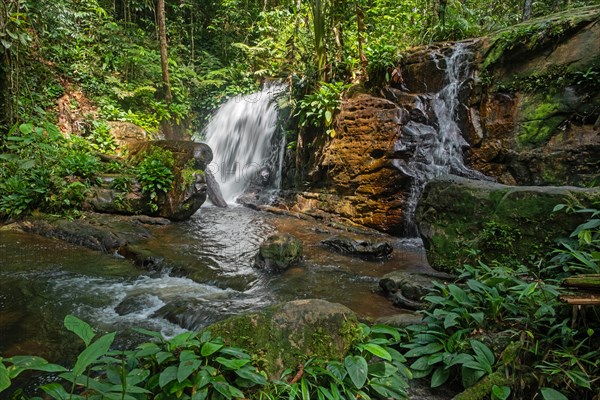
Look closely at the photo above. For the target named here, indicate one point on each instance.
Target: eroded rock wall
(529, 114)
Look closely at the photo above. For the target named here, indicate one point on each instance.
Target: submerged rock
(369, 249)
(406, 289)
(286, 335)
(463, 220)
(278, 252)
(401, 320)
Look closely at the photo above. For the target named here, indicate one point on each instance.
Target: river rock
(213, 190)
(464, 221)
(95, 231)
(287, 334)
(278, 252)
(401, 320)
(187, 194)
(364, 248)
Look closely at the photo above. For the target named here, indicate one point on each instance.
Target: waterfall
(241, 136)
(436, 148)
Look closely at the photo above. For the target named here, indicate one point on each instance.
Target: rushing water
(437, 147)
(242, 137)
(207, 275)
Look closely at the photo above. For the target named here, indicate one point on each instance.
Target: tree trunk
(164, 60)
(166, 125)
(360, 22)
(319, 32)
(527, 10)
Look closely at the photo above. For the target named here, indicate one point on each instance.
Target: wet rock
(188, 192)
(363, 186)
(287, 334)
(130, 138)
(406, 289)
(401, 320)
(134, 304)
(214, 191)
(278, 252)
(107, 233)
(503, 223)
(364, 248)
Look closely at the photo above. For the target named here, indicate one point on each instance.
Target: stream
(206, 275)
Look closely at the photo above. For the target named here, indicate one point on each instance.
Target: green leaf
(357, 369)
(186, 368)
(147, 349)
(483, 352)
(4, 379)
(250, 374)
(393, 387)
(470, 376)
(382, 369)
(500, 392)
(378, 351)
(428, 349)
(337, 370)
(227, 390)
(551, 394)
(388, 330)
(56, 391)
(92, 353)
(235, 352)
(578, 378)
(304, 387)
(146, 332)
(80, 328)
(209, 348)
(26, 129)
(232, 363)
(168, 375)
(23, 363)
(439, 377)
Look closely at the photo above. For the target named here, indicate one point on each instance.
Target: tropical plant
(317, 109)
(155, 174)
(199, 366)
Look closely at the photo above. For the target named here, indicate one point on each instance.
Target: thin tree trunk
(360, 28)
(164, 59)
(527, 10)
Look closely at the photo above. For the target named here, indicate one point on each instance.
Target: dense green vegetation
(499, 332)
(77, 64)
(70, 66)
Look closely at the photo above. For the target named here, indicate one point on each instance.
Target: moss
(501, 224)
(281, 337)
(483, 388)
(540, 117)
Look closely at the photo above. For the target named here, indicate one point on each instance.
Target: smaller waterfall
(241, 136)
(436, 148)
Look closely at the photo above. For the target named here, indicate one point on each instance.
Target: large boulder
(535, 110)
(185, 197)
(463, 220)
(288, 334)
(353, 176)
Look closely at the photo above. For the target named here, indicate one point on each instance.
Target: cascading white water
(240, 135)
(436, 149)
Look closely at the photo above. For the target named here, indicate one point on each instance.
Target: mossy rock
(286, 335)
(279, 252)
(465, 221)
